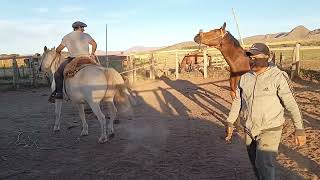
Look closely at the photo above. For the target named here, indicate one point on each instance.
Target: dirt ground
(177, 133)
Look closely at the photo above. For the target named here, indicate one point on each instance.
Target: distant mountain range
(130, 50)
(299, 33)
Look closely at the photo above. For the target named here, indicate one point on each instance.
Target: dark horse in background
(231, 50)
(192, 61)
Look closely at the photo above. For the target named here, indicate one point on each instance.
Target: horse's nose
(197, 38)
(40, 69)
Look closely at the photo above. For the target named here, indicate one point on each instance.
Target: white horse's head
(47, 59)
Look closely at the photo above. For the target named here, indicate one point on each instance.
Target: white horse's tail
(122, 98)
(123, 90)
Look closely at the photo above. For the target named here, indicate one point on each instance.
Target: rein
(59, 57)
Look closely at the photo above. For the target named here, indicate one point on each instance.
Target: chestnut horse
(191, 61)
(231, 50)
(188, 62)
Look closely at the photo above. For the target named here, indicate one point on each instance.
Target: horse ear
(224, 26)
(45, 48)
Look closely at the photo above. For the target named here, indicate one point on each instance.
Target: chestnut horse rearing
(231, 50)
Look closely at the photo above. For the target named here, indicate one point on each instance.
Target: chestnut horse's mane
(234, 40)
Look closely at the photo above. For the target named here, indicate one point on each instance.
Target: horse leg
(102, 119)
(84, 131)
(112, 112)
(53, 85)
(58, 105)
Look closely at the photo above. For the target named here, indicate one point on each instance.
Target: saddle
(76, 65)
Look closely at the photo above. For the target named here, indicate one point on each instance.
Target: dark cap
(258, 48)
(78, 24)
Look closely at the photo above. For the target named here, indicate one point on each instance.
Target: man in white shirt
(77, 42)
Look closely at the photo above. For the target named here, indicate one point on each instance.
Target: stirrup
(59, 96)
(52, 98)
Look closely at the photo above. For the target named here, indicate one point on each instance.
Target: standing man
(263, 93)
(77, 43)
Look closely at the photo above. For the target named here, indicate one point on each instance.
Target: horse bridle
(51, 61)
(221, 36)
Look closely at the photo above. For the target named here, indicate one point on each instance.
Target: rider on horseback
(77, 43)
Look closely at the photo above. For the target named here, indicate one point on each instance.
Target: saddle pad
(77, 64)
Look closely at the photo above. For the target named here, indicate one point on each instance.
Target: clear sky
(27, 25)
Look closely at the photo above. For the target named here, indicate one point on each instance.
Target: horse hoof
(117, 121)
(112, 135)
(84, 133)
(56, 129)
(103, 139)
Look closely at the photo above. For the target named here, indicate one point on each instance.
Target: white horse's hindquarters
(89, 84)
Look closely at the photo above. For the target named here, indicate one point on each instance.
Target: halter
(222, 35)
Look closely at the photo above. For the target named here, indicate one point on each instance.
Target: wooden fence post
(152, 73)
(150, 63)
(298, 59)
(153, 68)
(33, 72)
(4, 70)
(273, 57)
(295, 61)
(293, 64)
(125, 64)
(134, 71)
(14, 70)
(177, 66)
(280, 60)
(23, 74)
(205, 64)
(130, 73)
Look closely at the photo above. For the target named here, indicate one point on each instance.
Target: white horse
(92, 84)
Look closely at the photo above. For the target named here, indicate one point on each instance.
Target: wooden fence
(25, 72)
(165, 61)
(153, 64)
(299, 61)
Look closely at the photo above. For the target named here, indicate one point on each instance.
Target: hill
(141, 49)
(182, 45)
(299, 33)
(128, 51)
